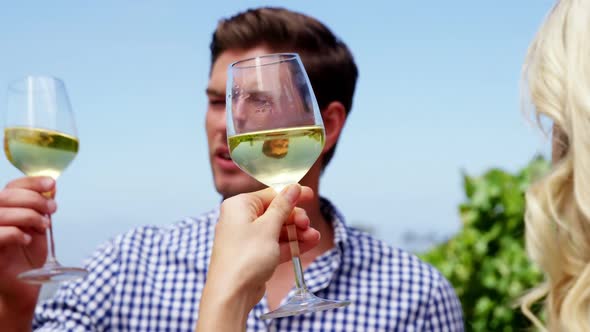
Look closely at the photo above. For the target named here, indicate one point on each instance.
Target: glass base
(302, 303)
(52, 273)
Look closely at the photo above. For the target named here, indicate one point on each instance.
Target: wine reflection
(276, 148)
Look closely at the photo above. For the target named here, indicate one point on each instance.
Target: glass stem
(299, 280)
(51, 260)
(294, 245)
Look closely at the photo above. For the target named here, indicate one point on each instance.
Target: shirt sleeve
(83, 305)
(444, 312)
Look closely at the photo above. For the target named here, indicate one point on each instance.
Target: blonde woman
(557, 73)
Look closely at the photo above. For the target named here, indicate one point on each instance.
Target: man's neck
(320, 223)
(313, 209)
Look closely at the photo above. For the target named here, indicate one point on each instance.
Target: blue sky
(438, 93)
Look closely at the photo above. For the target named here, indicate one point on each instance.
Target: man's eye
(217, 102)
(264, 102)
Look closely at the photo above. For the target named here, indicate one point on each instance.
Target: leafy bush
(486, 261)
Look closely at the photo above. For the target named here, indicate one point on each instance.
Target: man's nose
(220, 121)
(239, 115)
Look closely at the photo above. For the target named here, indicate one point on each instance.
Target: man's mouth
(223, 160)
(224, 155)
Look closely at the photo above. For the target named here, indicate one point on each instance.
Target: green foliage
(486, 261)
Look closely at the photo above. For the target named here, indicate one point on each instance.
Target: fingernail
(47, 183)
(292, 192)
(51, 205)
(27, 238)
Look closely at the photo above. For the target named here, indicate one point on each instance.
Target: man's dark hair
(327, 60)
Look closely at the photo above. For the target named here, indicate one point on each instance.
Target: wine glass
(275, 134)
(40, 140)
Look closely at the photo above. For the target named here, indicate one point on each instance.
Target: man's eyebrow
(257, 94)
(214, 93)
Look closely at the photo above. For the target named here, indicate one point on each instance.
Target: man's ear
(334, 117)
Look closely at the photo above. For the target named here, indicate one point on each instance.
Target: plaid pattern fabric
(151, 279)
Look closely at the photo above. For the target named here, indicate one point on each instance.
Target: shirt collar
(332, 214)
(324, 268)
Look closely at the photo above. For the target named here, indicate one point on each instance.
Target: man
(152, 278)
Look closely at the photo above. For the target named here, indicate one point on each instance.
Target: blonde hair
(557, 219)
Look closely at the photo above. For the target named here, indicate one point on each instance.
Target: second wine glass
(275, 134)
(40, 140)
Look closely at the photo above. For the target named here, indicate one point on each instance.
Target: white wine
(277, 157)
(39, 152)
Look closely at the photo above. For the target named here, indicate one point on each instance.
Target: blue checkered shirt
(151, 279)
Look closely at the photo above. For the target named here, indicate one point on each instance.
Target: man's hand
(24, 211)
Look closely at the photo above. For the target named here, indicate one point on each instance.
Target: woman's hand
(250, 241)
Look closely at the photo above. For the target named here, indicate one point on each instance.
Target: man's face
(228, 178)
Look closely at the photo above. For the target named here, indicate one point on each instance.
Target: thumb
(280, 209)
